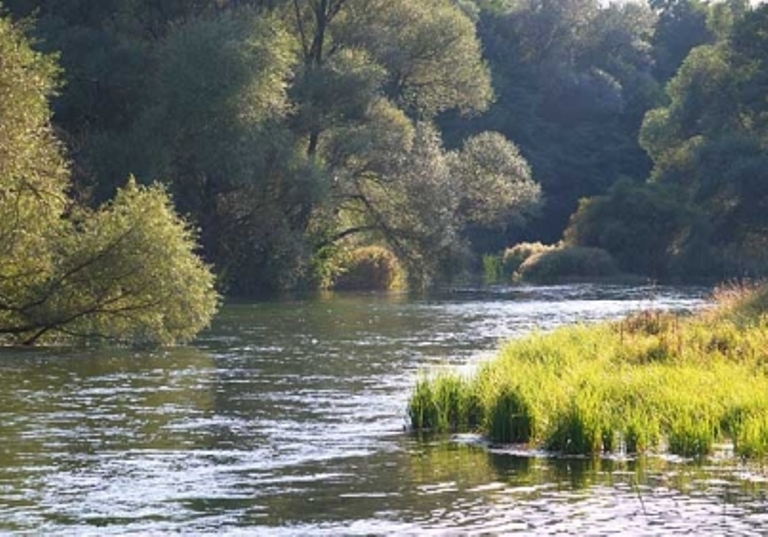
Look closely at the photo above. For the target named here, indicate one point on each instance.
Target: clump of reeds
(444, 403)
(651, 380)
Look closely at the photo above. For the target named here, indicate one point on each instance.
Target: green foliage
(708, 145)
(691, 436)
(492, 269)
(496, 183)
(33, 176)
(573, 80)
(510, 417)
(215, 133)
(741, 302)
(584, 390)
(751, 437)
(429, 50)
(132, 274)
(516, 255)
(126, 272)
(635, 223)
(582, 428)
(570, 262)
(30, 157)
(682, 26)
(444, 403)
(282, 128)
(422, 203)
(369, 268)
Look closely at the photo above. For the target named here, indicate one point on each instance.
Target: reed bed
(651, 382)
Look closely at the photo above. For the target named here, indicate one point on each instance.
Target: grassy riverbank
(654, 381)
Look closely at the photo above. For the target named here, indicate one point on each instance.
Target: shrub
(371, 268)
(636, 223)
(516, 255)
(572, 262)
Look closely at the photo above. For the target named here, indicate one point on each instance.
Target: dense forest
(298, 136)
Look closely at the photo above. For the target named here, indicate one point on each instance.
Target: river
(288, 418)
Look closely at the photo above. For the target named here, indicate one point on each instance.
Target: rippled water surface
(288, 418)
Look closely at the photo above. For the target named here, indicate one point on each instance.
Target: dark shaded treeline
(293, 132)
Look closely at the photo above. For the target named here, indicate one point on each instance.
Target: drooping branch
(336, 237)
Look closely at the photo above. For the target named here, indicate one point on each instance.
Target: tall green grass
(649, 382)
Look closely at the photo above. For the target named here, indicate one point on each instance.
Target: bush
(371, 268)
(636, 223)
(516, 255)
(574, 262)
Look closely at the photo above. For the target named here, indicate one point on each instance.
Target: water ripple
(287, 419)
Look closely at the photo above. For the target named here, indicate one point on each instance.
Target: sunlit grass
(649, 382)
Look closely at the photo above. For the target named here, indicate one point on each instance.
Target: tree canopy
(708, 146)
(125, 272)
(292, 131)
(284, 128)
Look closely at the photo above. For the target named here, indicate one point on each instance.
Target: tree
(573, 81)
(374, 75)
(426, 202)
(216, 128)
(497, 188)
(432, 63)
(126, 272)
(708, 150)
(277, 125)
(682, 26)
(636, 223)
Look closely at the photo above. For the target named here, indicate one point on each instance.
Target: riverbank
(651, 382)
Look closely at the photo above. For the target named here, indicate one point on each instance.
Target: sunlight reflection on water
(287, 419)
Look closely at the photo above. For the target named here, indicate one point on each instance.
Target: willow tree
(126, 272)
(373, 76)
(275, 124)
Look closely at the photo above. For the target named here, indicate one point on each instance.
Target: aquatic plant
(649, 381)
(447, 402)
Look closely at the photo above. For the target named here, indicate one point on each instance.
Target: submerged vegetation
(651, 382)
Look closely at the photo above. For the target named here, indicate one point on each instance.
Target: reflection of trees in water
(62, 407)
(275, 357)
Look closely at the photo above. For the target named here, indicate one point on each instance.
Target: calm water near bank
(288, 418)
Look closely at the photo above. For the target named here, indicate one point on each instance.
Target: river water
(288, 418)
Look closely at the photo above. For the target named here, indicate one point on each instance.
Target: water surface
(288, 418)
